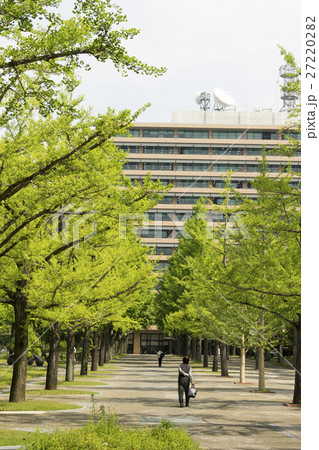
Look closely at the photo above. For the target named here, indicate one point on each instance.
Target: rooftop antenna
(289, 75)
(203, 99)
(222, 100)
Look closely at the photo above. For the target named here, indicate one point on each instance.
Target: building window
(161, 266)
(164, 182)
(192, 167)
(292, 135)
(193, 134)
(157, 166)
(158, 150)
(193, 151)
(166, 201)
(156, 233)
(295, 184)
(269, 135)
(159, 216)
(192, 183)
(231, 201)
(254, 151)
(132, 132)
(163, 250)
(252, 167)
(160, 133)
(226, 167)
(294, 168)
(219, 184)
(135, 132)
(227, 151)
(129, 148)
(227, 134)
(187, 200)
(218, 217)
(182, 217)
(130, 165)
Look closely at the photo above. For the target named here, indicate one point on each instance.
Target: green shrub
(80, 439)
(103, 431)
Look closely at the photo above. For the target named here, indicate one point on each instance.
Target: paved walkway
(224, 415)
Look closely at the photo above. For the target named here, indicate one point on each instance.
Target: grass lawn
(15, 437)
(80, 383)
(59, 392)
(96, 375)
(6, 373)
(36, 405)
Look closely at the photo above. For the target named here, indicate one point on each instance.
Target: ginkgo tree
(59, 167)
(256, 272)
(46, 41)
(88, 288)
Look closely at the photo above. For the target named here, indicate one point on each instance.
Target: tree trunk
(183, 345)
(69, 372)
(51, 382)
(95, 351)
(261, 365)
(198, 350)
(193, 348)
(257, 358)
(205, 348)
(123, 345)
(261, 355)
(178, 345)
(108, 338)
(19, 375)
(267, 355)
(297, 388)
(102, 349)
(280, 358)
(187, 347)
(223, 361)
(242, 378)
(295, 346)
(11, 348)
(215, 357)
(85, 352)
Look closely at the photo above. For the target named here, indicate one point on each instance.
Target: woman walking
(184, 379)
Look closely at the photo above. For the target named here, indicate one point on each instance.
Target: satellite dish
(202, 98)
(198, 97)
(222, 99)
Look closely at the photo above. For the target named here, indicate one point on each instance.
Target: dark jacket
(184, 369)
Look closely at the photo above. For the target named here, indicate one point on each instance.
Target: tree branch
(21, 226)
(262, 308)
(48, 57)
(241, 288)
(20, 184)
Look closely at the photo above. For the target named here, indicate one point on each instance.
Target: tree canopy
(63, 191)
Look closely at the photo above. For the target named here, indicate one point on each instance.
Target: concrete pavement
(223, 416)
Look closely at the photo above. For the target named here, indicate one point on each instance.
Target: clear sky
(204, 44)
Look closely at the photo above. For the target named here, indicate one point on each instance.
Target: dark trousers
(183, 386)
(160, 362)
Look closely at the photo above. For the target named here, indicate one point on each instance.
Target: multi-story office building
(193, 153)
